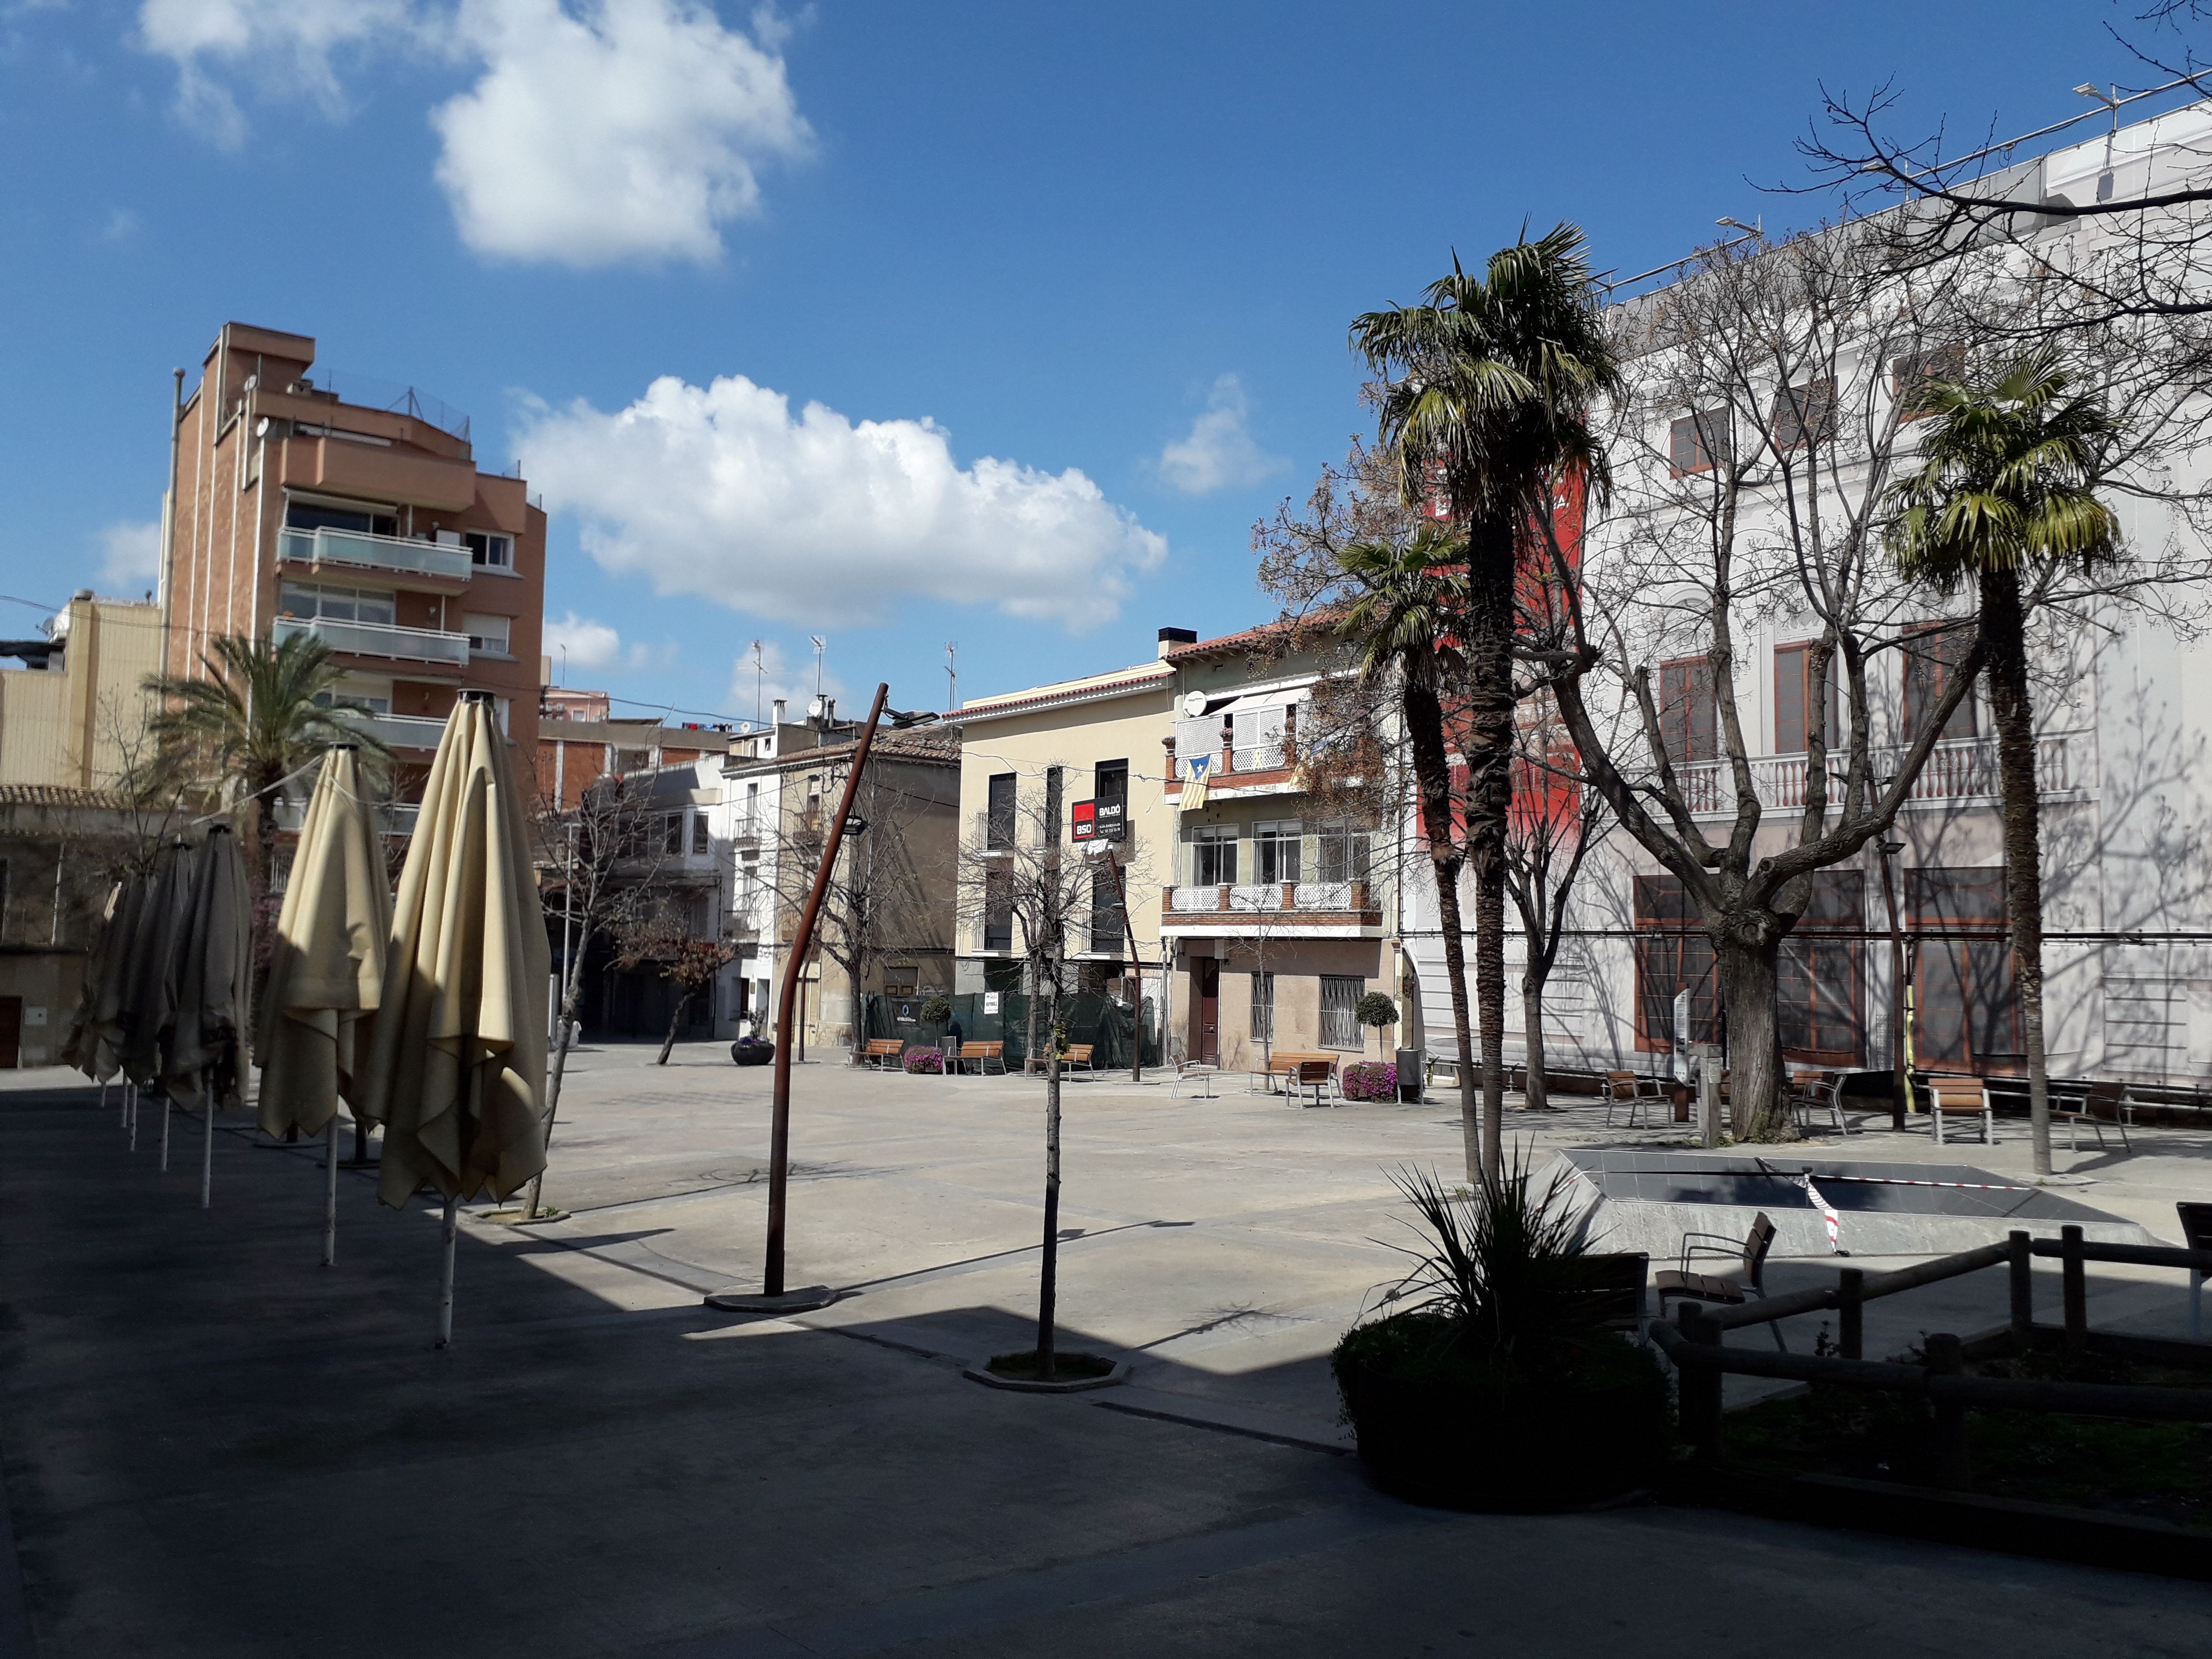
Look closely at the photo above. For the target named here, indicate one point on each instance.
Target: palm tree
(253, 721)
(2006, 487)
(1405, 621)
(1488, 383)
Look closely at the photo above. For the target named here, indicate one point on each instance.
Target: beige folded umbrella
(455, 1067)
(325, 970)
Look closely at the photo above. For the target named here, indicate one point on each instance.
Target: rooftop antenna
(821, 645)
(951, 674)
(760, 682)
(2110, 100)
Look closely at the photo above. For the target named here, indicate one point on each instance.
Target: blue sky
(1071, 285)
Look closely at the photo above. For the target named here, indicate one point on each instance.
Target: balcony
(1288, 910)
(393, 817)
(381, 640)
(397, 732)
(352, 551)
(1959, 770)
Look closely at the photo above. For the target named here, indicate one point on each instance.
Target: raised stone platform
(1647, 1201)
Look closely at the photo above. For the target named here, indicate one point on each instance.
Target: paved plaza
(215, 1446)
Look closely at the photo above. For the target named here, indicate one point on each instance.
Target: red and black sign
(1099, 820)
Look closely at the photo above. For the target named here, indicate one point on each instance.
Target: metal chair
(2114, 1095)
(1627, 1088)
(1816, 1090)
(1728, 1289)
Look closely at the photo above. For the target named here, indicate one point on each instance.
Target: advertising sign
(1083, 821)
(1099, 820)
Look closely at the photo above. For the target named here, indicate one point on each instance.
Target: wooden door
(1205, 1011)
(11, 1032)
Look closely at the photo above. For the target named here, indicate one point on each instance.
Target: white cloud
(721, 491)
(131, 556)
(1220, 452)
(286, 45)
(631, 132)
(597, 131)
(578, 642)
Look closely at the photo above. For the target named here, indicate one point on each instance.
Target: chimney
(779, 711)
(1171, 638)
(830, 714)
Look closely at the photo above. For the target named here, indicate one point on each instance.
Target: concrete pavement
(213, 1446)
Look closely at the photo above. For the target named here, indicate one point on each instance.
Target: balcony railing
(379, 639)
(1285, 898)
(393, 817)
(1958, 769)
(395, 731)
(356, 549)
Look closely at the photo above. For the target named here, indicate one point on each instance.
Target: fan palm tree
(2005, 491)
(1404, 623)
(1487, 386)
(253, 721)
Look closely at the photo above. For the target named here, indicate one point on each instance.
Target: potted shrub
(1375, 1010)
(927, 1062)
(1496, 1385)
(752, 1051)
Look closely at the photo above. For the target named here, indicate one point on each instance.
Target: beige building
(72, 725)
(1279, 916)
(1087, 745)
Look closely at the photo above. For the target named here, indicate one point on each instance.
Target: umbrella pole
(124, 1122)
(445, 1278)
(331, 1191)
(207, 1153)
(103, 1094)
(131, 1117)
(165, 1134)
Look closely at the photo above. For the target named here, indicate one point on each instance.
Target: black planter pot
(1484, 1436)
(752, 1053)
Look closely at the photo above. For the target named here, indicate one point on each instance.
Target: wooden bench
(882, 1052)
(983, 1056)
(1961, 1097)
(1076, 1057)
(1318, 1073)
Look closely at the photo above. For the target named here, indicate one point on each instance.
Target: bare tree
(661, 936)
(1039, 891)
(599, 865)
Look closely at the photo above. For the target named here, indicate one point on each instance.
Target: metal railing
(393, 817)
(356, 548)
(395, 731)
(379, 639)
(1272, 897)
(1957, 769)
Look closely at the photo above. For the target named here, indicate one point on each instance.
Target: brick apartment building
(299, 505)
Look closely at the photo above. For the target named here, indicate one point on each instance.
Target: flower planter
(745, 1051)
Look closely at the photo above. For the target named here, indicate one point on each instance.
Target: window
(1275, 851)
(486, 633)
(1263, 1007)
(671, 834)
(1673, 955)
(1697, 441)
(700, 841)
(1339, 1015)
(1804, 414)
(748, 879)
(1256, 740)
(1911, 371)
(1107, 932)
(1966, 1006)
(998, 911)
(489, 551)
(307, 515)
(1794, 694)
(369, 702)
(1054, 790)
(1341, 851)
(1817, 998)
(1689, 719)
(1213, 855)
(319, 600)
(752, 809)
(1109, 781)
(1933, 653)
(632, 759)
(998, 821)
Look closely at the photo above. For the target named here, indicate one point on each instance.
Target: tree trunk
(675, 1023)
(2005, 631)
(571, 993)
(1049, 1277)
(1490, 794)
(1538, 1094)
(1748, 958)
(1448, 919)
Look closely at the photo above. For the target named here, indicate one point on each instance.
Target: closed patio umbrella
(456, 1056)
(203, 1061)
(145, 1007)
(325, 970)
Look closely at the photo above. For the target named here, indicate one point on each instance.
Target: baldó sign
(1099, 820)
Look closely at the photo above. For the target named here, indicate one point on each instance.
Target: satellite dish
(1193, 704)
